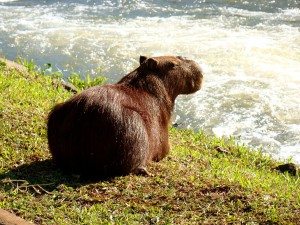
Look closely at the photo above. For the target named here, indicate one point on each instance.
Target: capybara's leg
(142, 171)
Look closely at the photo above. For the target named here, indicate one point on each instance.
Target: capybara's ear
(152, 64)
(142, 59)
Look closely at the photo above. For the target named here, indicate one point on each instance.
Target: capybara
(113, 130)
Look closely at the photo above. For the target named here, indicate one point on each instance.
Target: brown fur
(116, 129)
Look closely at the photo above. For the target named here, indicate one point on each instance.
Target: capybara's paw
(142, 171)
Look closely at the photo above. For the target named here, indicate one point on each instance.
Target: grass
(205, 180)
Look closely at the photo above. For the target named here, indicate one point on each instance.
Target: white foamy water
(249, 51)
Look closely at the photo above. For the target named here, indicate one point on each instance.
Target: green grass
(196, 184)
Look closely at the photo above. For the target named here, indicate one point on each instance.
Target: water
(249, 50)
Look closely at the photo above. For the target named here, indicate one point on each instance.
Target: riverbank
(205, 180)
(243, 46)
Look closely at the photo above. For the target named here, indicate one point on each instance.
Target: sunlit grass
(204, 179)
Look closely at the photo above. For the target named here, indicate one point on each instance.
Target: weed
(78, 82)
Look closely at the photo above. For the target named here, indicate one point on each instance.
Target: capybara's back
(116, 129)
(94, 133)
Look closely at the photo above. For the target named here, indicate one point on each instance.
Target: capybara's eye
(180, 57)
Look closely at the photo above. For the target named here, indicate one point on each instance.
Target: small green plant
(80, 83)
(2, 64)
(75, 78)
(29, 64)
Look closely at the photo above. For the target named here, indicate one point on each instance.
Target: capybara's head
(180, 75)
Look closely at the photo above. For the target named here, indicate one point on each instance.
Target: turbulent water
(249, 51)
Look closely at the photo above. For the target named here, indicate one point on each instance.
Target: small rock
(68, 86)
(291, 168)
(7, 218)
(13, 65)
(221, 150)
(176, 125)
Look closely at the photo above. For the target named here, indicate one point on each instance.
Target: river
(249, 51)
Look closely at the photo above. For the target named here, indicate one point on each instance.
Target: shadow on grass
(42, 176)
